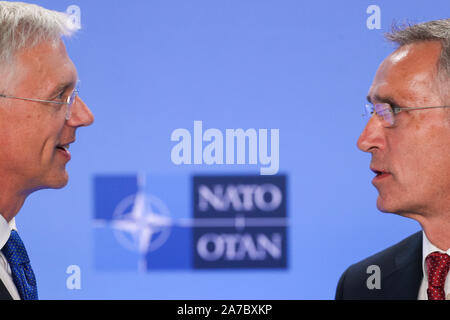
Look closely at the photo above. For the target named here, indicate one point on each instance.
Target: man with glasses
(408, 137)
(40, 112)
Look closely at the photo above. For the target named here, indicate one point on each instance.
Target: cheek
(409, 158)
(23, 142)
(18, 147)
(424, 163)
(28, 134)
(437, 168)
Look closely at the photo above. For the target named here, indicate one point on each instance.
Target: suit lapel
(4, 294)
(404, 282)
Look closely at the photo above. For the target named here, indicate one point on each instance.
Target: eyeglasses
(69, 101)
(387, 113)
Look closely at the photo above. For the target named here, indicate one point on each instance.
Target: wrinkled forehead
(408, 60)
(43, 66)
(410, 71)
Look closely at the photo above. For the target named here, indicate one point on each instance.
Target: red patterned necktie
(437, 266)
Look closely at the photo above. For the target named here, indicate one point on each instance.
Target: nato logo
(149, 222)
(138, 223)
(242, 222)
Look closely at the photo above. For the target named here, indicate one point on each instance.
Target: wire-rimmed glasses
(69, 101)
(387, 113)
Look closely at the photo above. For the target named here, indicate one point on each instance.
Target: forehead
(43, 66)
(409, 73)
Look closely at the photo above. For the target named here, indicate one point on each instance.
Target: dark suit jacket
(4, 294)
(401, 273)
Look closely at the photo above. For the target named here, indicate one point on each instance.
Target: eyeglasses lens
(384, 110)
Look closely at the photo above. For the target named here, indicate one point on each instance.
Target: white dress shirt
(5, 270)
(427, 248)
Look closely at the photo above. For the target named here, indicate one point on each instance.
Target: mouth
(63, 149)
(380, 174)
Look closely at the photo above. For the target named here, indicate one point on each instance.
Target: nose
(372, 136)
(81, 114)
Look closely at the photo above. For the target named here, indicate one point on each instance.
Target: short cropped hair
(24, 25)
(437, 30)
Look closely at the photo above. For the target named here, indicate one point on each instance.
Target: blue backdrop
(150, 67)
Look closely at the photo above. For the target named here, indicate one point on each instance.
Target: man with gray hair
(39, 113)
(408, 137)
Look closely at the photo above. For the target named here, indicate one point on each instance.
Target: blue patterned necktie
(22, 274)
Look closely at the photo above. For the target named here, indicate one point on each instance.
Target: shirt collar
(427, 248)
(5, 230)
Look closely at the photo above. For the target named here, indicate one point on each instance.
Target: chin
(404, 209)
(61, 183)
(56, 181)
(384, 206)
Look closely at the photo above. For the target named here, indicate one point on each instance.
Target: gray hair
(437, 30)
(25, 25)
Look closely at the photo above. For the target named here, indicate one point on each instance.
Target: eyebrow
(387, 99)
